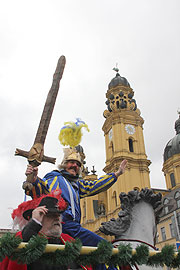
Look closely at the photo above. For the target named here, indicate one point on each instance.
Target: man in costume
(73, 188)
(45, 219)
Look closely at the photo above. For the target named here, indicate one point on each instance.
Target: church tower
(123, 131)
(171, 165)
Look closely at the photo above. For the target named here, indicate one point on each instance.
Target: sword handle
(27, 185)
(35, 156)
(24, 153)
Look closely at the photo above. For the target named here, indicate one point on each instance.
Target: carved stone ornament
(120, 225)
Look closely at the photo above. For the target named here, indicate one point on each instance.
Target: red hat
(53, 201)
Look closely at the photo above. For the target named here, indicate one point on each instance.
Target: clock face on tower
(130, 129)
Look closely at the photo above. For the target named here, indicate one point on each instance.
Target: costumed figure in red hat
(42, 216)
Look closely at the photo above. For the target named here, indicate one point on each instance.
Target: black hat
(51, 203)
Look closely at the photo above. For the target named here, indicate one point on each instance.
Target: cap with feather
(53, 201)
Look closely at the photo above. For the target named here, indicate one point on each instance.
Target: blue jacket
(82, 188)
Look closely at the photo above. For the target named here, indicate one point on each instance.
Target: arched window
(101, 209)
(136, 188)
(177, 198)
(178, 220)
(163, 234)
(173, 181)
(112, 147)
(166, 209)
(177, 195)
(131, 148)
(115, 199)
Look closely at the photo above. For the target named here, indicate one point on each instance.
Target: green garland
(34, 250)
(63, 257)
(125, 252)
(8, 243)
(101, 255)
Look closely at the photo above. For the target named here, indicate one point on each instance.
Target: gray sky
(142, 36)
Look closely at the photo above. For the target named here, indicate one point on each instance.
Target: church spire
(123, 131)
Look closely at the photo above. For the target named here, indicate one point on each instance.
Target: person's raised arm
(89, 187)
(30, 169)
(121, 169)
(39, 186)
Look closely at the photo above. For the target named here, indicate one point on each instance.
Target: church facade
(169, 223)
(124, 139)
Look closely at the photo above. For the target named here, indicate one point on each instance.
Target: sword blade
(50, 102)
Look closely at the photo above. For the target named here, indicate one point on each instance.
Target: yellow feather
(71, 133)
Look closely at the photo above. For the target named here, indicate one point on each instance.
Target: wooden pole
(85, 250)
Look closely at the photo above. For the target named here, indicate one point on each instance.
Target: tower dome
(118, 80)
(173, 146)
(120, 95)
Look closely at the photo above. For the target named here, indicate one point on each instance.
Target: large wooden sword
(36, 154)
